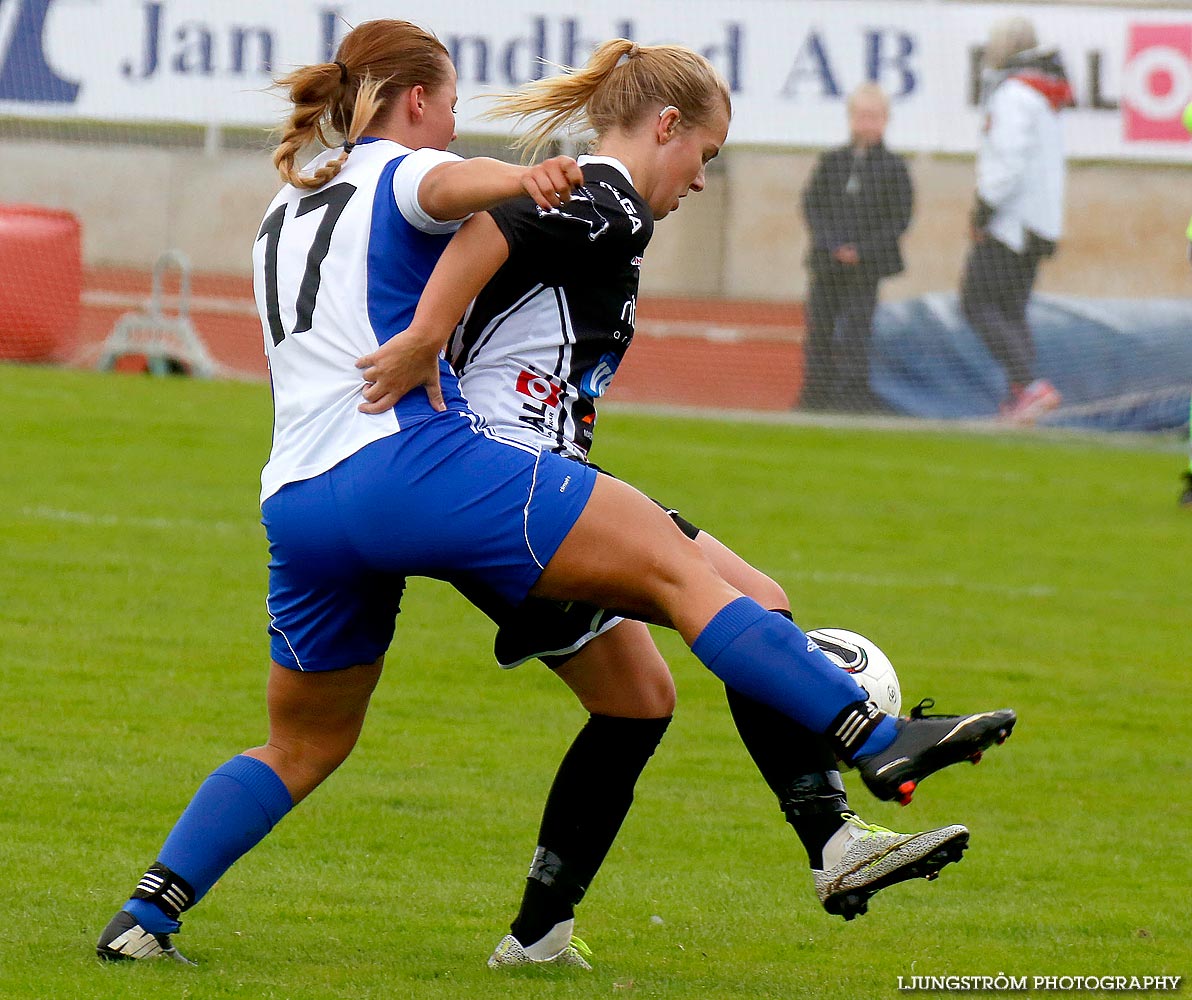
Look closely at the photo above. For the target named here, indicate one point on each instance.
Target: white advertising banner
(790, 64)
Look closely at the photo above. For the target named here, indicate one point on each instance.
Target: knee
(651, 695)
(658, 697)
(769, 594)
(622, 674)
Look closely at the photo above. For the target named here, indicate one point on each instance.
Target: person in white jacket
(1018, 216)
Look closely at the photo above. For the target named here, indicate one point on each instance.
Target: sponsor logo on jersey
(539, 388)
(581, 196)
(599, 377)
(626, 203)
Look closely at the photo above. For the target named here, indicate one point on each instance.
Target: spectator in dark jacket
(857, 204)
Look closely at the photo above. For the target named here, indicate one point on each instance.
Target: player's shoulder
(608, 187)
(422, 159)
(605, 168)
(606, 209)
(610, 179)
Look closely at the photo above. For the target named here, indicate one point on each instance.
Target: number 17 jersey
(337, 271)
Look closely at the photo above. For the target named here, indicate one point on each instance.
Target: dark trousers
(993, 296)
(840, 305)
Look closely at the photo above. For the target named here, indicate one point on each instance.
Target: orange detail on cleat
(905, 791)
(976, 758)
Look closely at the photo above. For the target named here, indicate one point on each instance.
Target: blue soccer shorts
(438, 499)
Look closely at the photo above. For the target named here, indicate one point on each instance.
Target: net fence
(925, 208)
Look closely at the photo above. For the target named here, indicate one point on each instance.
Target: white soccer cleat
(125, 940)
(861, 859)
(510, 952)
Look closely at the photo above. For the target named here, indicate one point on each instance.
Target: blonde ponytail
(619, 85)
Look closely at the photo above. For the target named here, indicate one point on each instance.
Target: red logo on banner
(539, 388)
(1157, 82)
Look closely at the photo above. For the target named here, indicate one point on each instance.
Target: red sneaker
(1029, 404)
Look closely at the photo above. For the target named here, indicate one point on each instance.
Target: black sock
(541, 908)
(798, 765)
(814, 805)
(588, 802)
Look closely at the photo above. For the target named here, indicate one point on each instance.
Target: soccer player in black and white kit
(538, 346)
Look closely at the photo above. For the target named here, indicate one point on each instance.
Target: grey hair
(1007, 38)
(869, 90)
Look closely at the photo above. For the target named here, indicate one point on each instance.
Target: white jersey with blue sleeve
(338, 271)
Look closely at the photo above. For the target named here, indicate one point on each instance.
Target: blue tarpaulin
(1121, 364)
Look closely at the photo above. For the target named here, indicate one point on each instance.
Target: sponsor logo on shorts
(563, 486)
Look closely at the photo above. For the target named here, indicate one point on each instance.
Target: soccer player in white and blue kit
(353, 502)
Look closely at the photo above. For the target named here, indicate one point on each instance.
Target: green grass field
(1045, 573)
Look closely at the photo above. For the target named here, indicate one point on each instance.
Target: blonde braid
(375, 62)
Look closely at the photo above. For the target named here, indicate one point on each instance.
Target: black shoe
(1186, 496)
(125, 940)
(928, 743)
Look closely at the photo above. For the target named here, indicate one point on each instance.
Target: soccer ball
(870, 667)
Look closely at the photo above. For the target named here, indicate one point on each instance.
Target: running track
(687, 352)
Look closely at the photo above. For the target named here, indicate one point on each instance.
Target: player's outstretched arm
(456, 190)
(411, 359)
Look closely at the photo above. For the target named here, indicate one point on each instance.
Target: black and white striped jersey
(543, 340)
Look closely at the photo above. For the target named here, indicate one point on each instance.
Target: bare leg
(621, 673)
(314, 722)
(749, 580)
(625, 553)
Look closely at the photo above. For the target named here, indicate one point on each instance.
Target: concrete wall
(1125, 229)
(742, 238)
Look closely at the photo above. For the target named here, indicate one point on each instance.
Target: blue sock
(765, 656)
(232, 811)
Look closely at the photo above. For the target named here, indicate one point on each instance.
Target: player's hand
(846, 254)
(551, 182)
(399, 366)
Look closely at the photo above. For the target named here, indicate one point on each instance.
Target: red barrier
(41, 282)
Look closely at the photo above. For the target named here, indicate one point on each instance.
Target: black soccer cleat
(124, 940)
(875, 858)
(928, 743)
(1186, 495)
